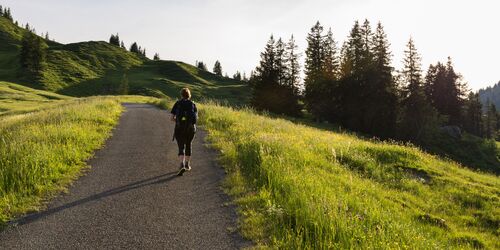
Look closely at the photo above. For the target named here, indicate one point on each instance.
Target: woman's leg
(181, 144)
(189, 141)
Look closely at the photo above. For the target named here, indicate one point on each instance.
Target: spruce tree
(122, 45)
(135, 48)
(1, 10)
(237, 76)
(293, 66)
(474, 115)
(280, 62)
(156, 57)
(201, 65)
(331, 62)
(33, 55)
(217, 68)
(491, 121)
(419, 118)
(314, 77)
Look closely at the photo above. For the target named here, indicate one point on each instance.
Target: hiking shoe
(188, 167)
(181, 172)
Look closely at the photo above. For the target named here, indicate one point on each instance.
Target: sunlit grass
(301, 187)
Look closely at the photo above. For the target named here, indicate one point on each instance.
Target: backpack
(185, 114)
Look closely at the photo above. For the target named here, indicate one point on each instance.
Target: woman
(184, 114)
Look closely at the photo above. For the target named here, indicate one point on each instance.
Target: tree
(446, 92)
(7, 14)
(419, 118)
(218, 68)
(271, 89)
(473, 115)
(293, 66)
(33, 55)
(491, 121)
(135, 48)
(331, 62)
(382, 98)
(122, 45)
(156, 57)
(314, 66)
(115, 40)
(237, 76)
(201, 65)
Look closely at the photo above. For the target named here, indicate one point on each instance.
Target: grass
(45, 140)
(301, 187)
(16, 99)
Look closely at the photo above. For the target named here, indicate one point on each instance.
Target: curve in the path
(132, 198)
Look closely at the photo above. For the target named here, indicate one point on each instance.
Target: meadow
(299, 187)
(45, 141)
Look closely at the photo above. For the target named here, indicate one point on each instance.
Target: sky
(235, 31)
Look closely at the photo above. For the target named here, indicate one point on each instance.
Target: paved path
(132, 198)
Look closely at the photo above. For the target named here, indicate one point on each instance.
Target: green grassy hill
(98, 68)
(300, 187)
(15, 98)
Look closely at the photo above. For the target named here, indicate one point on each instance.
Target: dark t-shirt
(185, 102)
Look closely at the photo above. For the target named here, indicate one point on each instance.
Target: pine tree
(201, 65)
(491, 121)
(135, 48)
(115, 40)
(331, 62)
(314, 77)
(293, 66)
(217, 68)
(237, 76)
(445, 90)
(7, 14)
(474, 115)
(382, 98)
(33, 55)
(156, 57)
(280, 62)
(419, 118)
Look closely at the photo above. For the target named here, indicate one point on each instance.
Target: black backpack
(185, 114)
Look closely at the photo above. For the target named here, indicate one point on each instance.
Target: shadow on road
(160, 179)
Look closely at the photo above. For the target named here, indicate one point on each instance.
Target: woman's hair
(185, 93)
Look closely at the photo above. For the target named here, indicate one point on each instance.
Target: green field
(301, 187)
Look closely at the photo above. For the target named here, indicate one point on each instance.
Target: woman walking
(184, 114)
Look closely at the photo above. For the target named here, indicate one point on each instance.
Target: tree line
(357, 87)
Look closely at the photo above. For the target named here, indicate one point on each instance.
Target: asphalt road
(131, 198)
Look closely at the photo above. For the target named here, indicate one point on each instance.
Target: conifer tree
(473, 115)
(280, 62)
(33, 55)
(156, 57)
(237, 76)
(419, 118)
(314, 68)
(217, 68)
(491, 121)
(201, 65)
(446, 92)
(122, 45)
(135, 48)
(1, 10)
(293, 66)
(331, 62)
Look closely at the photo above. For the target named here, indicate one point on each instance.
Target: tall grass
(300, 187)
(41, 152)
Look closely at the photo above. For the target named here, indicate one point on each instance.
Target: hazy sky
(235, 31)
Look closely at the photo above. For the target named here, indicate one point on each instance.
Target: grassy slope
(300, 187)
(45, 139)
(16, 98)
(96, 68)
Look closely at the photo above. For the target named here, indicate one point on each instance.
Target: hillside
(97, 68)
(492, 94)
(300, 187)
(16, 98)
